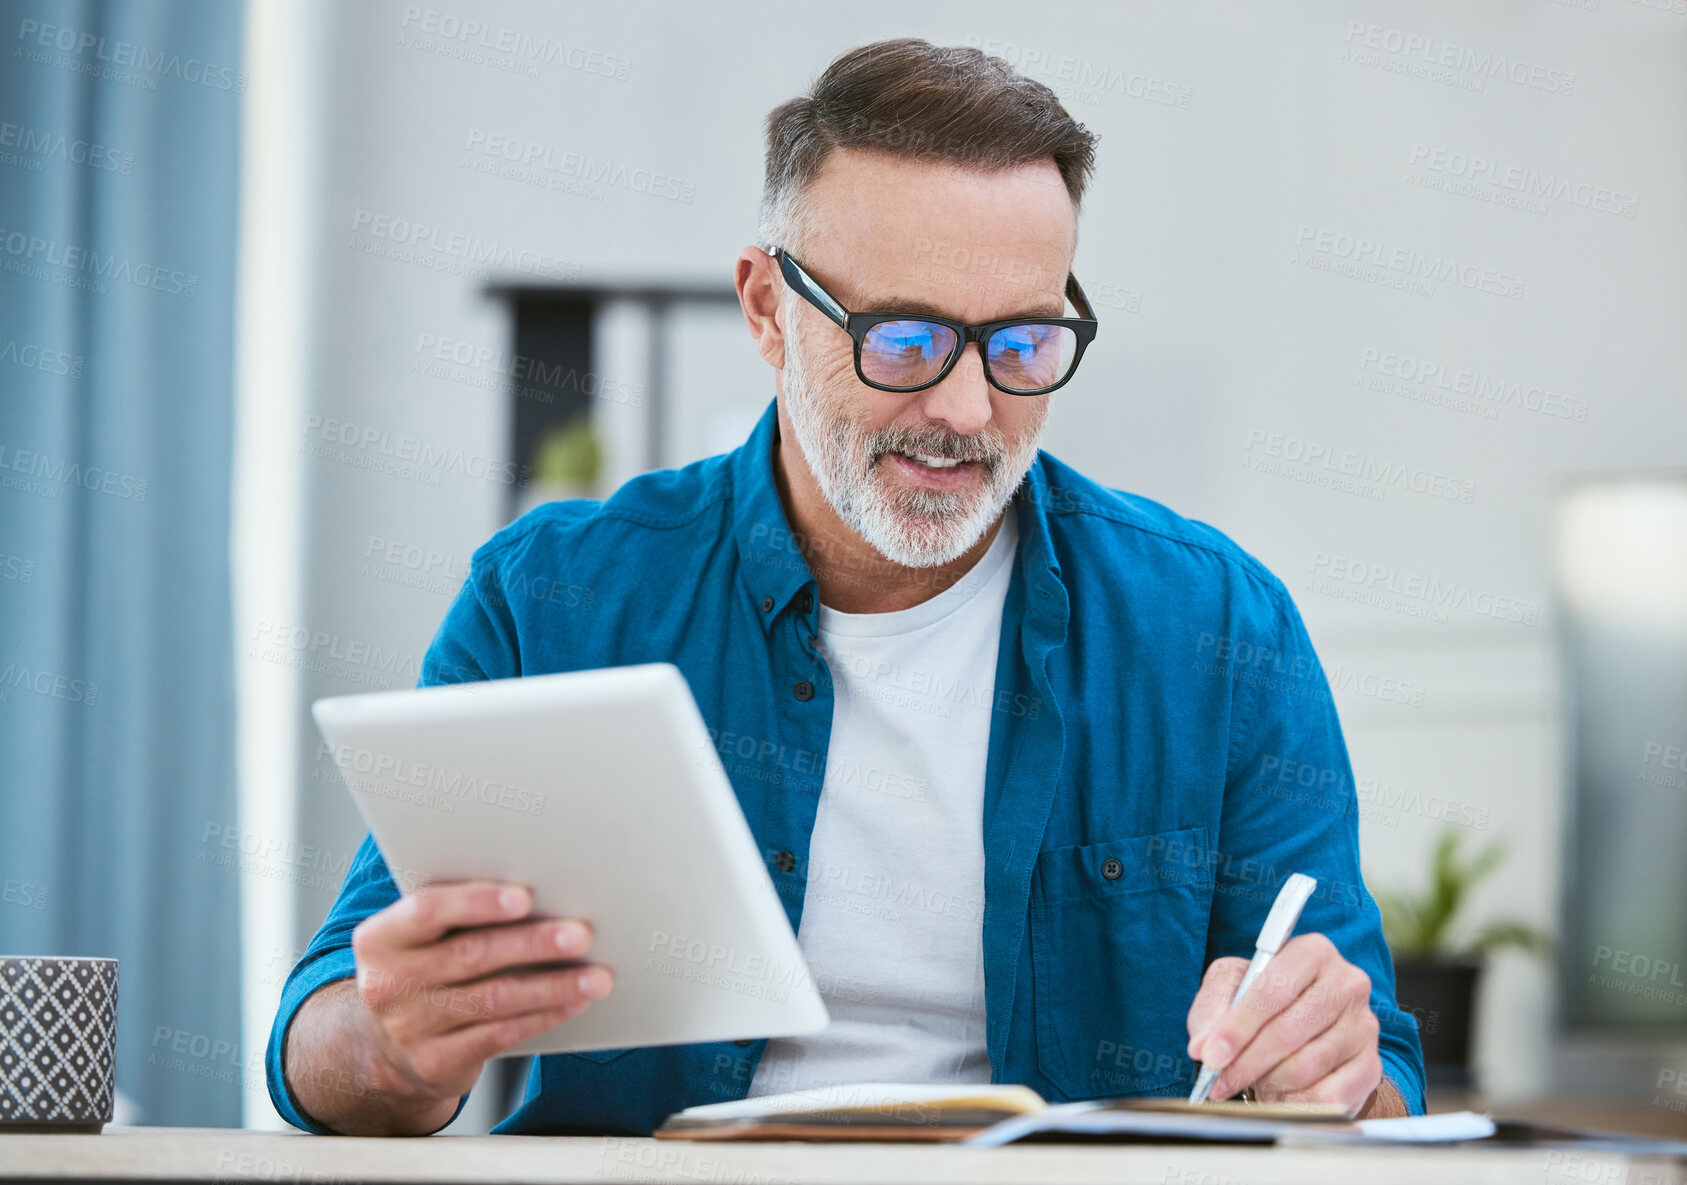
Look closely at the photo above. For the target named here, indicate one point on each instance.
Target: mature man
(1029, 758)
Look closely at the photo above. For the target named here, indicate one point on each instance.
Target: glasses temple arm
(810, 291)
(1075, 291)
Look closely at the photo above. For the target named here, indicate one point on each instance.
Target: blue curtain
(119, 128)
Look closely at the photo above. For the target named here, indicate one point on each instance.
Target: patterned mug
(58, 1043)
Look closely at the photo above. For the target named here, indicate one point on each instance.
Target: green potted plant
(569, 458)
(1435, 974)
(566, 463)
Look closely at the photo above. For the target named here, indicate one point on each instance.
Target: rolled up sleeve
(1290, 806)
(476, 641)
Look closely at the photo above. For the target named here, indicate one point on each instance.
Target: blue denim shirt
(1164, 753)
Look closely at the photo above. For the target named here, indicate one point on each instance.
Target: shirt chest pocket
(1118, 942)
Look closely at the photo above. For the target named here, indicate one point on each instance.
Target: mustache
(987, 448)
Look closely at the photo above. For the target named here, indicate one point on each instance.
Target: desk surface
(231, 1155)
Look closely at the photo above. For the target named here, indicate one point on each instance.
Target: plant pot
(1441, 994)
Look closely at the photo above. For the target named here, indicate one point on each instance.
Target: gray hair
(918, 101)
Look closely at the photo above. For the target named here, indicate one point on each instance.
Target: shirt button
(767, 604)
(745, 1043)
(804, 690)
(784, 861)
(805, 602)
(1111, 870)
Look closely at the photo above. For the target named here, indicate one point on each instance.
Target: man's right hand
(447, 978)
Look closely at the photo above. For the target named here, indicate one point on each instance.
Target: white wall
(1212, 327)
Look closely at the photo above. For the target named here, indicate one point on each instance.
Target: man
(1027, 758)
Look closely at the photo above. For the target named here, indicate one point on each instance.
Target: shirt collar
(1038, 564)
(774, 565)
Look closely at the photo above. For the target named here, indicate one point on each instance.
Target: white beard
(914, 528)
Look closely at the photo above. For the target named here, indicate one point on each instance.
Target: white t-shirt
(893, 911)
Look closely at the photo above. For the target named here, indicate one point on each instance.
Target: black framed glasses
(907, 352)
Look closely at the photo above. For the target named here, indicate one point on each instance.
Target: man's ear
(761, 294)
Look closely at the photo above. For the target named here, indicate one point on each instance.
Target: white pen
(1279, 924)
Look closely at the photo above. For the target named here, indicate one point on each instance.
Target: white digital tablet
(601, 791)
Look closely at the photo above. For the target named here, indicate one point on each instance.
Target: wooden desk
(231, 1155)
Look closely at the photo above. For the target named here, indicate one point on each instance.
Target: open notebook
(989, 1115)
(857, 1111)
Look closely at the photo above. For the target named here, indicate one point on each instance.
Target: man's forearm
(339, 1076)
(1386, 1102)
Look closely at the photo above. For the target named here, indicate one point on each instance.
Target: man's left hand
(1304, 1032)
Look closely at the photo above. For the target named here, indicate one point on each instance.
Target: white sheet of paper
(1408, 1129)
(1096, 1119)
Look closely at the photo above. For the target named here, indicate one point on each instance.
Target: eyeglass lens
(1020, 357)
